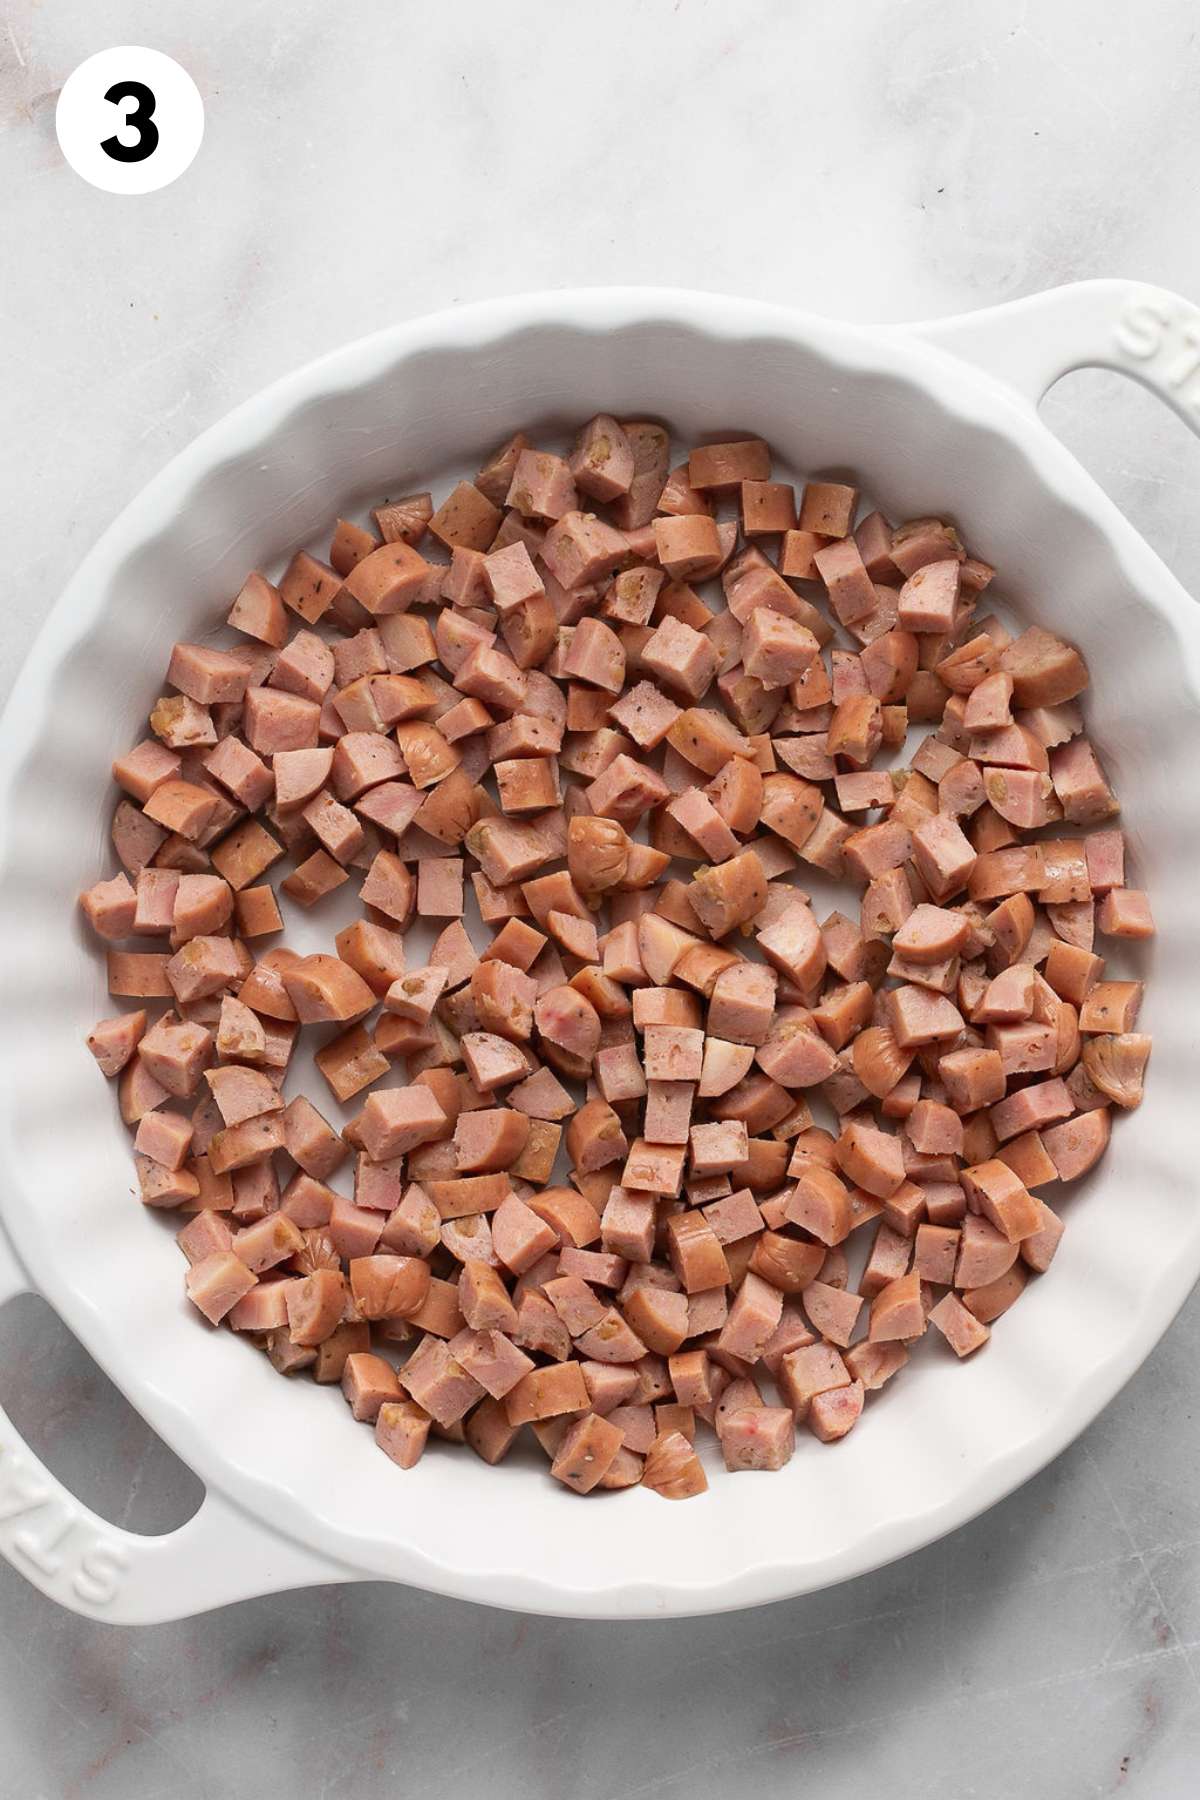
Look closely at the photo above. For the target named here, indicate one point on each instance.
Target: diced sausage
(962, 1029)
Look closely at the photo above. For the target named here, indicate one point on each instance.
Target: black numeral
(141, 119)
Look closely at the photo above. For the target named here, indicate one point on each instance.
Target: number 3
(141, 119)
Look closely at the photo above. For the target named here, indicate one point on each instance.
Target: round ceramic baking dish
(937, 418)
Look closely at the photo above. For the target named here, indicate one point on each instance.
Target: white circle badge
(129, 120)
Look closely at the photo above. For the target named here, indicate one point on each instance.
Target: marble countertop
(890, 160)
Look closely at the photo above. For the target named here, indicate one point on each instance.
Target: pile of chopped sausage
(527, 686)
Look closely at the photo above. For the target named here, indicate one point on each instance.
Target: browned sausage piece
(931, 933)
(489, 1140)
(566, 1019)
(389, 1287)
(673, 1469)
(587, 1452)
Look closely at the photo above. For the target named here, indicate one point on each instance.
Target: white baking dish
(937, 417)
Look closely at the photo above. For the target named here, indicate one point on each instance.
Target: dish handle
(116, 1576)
(1142, 331)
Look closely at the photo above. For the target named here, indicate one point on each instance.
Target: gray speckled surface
(883, 161)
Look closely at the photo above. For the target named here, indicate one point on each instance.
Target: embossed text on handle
(42, 1526)
(1154, 330)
